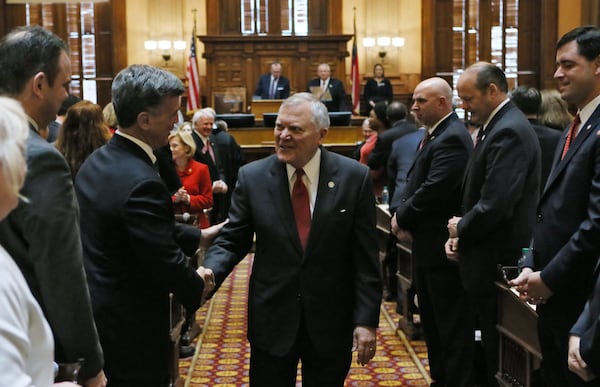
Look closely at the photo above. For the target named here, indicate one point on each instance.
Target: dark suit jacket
(337, 91)
(132, 260)
(334, 285)
(264, 82)
(217, 172)
(167, 168)
(433, 191)
(42, 236)
(402, 156)
(548, 139)
(566, 237)
(587, 327)
(500, 192)
(381, 152)
(232, 158)
(214, 167)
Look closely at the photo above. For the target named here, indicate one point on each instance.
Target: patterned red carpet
(222, 353)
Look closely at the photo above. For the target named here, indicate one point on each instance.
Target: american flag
(193, 102)
(355, 76)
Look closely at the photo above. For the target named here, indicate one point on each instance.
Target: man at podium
(273, 85)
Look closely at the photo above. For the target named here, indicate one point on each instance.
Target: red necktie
(425, 139)
(571, 135)
(208, 148)
(301, 206)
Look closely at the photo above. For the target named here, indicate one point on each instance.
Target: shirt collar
(202, 137)
(311, 169)
(34, 124)
(586, 112)
(496, 110)
(145, 147)
(434, 127)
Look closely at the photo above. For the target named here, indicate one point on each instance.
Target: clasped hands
(400, 233)
(208, 277)
(451, 245)
(181, 196)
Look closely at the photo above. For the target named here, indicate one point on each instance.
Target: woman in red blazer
(196, 194)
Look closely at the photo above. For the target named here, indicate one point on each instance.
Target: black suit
(232, 158)
(548, 139)
(500, 192)
(431, 197)
(132, 260)
(282, 90)
(566, 242)
(42, 236)
(335, 90)
(215, 167)
(307, 300)
(383, 146)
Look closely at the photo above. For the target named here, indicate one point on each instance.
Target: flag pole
(354, 73)
(192, 74)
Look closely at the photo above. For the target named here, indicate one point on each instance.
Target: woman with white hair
(26, 344)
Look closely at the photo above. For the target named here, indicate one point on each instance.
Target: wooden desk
(260, 142)
(409, 322)
(519, 348)
(261, 136)
(265, 106)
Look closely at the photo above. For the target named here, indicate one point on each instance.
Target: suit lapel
(327, 190)
(586, 130)
(279, 189)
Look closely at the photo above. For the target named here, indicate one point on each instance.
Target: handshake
(208, 277)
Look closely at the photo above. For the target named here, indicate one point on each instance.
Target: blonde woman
(195, 196)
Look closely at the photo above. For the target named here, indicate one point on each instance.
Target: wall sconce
(165, 46)
(383, 42)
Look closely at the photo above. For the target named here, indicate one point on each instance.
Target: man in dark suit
(528, 100)
(42, 233)
(329, 90)
(431, 196)
(207, 152)
(566, 237)
(273, 85)
(232, 158)
(131, 250)
(314, 292)
(499, 192)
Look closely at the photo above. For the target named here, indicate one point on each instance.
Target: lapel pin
(331, 184)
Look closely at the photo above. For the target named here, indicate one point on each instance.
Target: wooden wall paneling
(548, 39)
(119, 35)
(485, 30)
(230, 17)
(318, 16)
(299, 55)
(529, 46)
(443, 42)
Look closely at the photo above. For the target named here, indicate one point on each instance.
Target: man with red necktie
(566, 237)
(315, 290)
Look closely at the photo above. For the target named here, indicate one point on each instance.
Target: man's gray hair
(320, 115)
(139, 88)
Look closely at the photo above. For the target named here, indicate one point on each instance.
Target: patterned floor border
(382, 371)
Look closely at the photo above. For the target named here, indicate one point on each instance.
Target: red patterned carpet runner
(223, 354)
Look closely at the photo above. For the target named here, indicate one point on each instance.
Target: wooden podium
(261, 106)
(410, 320)
(520, 353)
